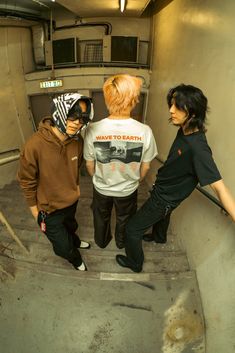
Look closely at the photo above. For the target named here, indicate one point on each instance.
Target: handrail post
(12, 233)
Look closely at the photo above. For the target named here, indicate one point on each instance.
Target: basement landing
(43, 312)
(48, 307)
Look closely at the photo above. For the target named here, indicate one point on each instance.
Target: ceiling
(80, 8)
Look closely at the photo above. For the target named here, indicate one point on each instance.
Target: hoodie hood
(62, 106)
(45, 131)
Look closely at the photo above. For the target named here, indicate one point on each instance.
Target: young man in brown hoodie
(49, 174)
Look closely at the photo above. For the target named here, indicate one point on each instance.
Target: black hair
(193, 102)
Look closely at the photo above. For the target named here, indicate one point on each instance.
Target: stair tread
(66, 269)
(86, 233)
(158, 257)
(100, 260)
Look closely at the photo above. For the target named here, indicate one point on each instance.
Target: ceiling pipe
(20, 15)
(107, 25)
(26, 16)
(51, 36)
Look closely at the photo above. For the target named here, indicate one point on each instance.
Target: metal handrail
(9, 156)
(204, 192)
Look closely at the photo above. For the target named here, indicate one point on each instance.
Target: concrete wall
(16, 61)
(194, 43)
(15, 125)
(81, 79)
(139, 27)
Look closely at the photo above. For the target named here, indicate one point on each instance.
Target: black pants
(154, 213)
(102, 205)
(61, 226)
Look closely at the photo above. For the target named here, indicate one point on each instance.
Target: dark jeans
(154, 213)
(61, 226)
(159, 230)
(102, 205)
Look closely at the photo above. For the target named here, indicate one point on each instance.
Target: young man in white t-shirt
(118, 151)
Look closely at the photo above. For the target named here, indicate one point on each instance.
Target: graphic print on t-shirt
(124, 151)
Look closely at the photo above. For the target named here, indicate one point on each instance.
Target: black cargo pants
(61, 226)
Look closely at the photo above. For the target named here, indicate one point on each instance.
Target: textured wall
(15, 125)
(194, 43)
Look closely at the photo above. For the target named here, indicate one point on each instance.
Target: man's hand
(90, 166)
(34, 211)
(79, 193)
(144, 168)
(225, 197)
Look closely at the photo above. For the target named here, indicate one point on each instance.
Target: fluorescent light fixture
(122, 5)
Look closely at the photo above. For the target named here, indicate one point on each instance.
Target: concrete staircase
(166, 288)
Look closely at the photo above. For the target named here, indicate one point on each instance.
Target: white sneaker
(82, 267)
(84, 245)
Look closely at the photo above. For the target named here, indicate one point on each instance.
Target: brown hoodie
(49, 169)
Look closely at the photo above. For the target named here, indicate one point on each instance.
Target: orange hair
(121, 92)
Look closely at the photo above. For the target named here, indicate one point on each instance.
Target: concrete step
(15, 264)
(98, 260)
(62, 310)
(86, 233)
(23, 220)
(12, 185)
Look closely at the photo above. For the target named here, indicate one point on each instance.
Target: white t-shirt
(118, 148)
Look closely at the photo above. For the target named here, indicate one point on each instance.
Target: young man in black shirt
(189, 162)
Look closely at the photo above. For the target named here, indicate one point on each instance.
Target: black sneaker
(125, 262)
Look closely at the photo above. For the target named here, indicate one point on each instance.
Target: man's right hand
(34, 211)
